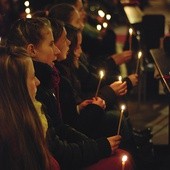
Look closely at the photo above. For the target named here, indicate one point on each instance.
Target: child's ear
(31, 50)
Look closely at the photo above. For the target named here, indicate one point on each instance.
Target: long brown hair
(22, 144)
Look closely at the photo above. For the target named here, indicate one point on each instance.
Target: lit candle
(120, 119)
(138, 61)
(120, 78)
(130, 38)
(101, 73)
(124, 159)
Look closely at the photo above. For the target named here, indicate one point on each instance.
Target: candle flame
(130, 31)
(123, 107)
(124, 158)
(120, 78)
(139, 54)
(101, 73)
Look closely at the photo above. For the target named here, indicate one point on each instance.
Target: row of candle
(123, 107)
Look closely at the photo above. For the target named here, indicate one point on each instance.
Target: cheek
(32, 89)
(50, 55)
(64, 52)
(46, 53)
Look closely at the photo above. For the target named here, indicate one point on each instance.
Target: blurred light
(101, 13)
(108, 17)
(99, 27)
(27, 10)
(28, 16)
(124, 158)
(92, 8)
(105, 24)
(26, 3)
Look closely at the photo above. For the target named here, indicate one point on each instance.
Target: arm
(81, 153)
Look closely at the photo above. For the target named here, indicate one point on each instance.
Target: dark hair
(25, 31)
(21, 133)
(62, 12)
(57, 28)
(72, 35)
(166, 45)
(71, 2)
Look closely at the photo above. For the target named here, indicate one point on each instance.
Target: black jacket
(72, 149)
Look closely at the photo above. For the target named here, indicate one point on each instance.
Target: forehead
(47, 33)
(46, 30)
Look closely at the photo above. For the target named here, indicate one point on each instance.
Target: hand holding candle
(130, 38)
(101, 73)
(120, 119)
(138, 61)
(124, 159)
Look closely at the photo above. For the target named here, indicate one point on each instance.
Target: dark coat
(89, 119)
(88, 77)
(72, 149)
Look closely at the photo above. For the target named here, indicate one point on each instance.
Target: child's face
(63, 45)
(78, 49)
(32, 81)
(46, 51)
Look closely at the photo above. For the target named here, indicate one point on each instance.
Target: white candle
(130, 38)
(101, 73)
(120, 119)
(124, 159)
(138, 61)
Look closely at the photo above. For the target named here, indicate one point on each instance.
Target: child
(72, 149)
(22, 143)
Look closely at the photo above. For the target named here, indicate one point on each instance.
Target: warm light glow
(120, 78)
(123, 107)
(101, 13)
(124, 158)
(101, 73)
(99, 27)
(28, 16)
(139, 54)
(108, 16)
(27, 3)
(27, 10)
(130, 31)
(105, 24)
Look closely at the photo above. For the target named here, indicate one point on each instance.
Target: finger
(114, 148)
(123, 93)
